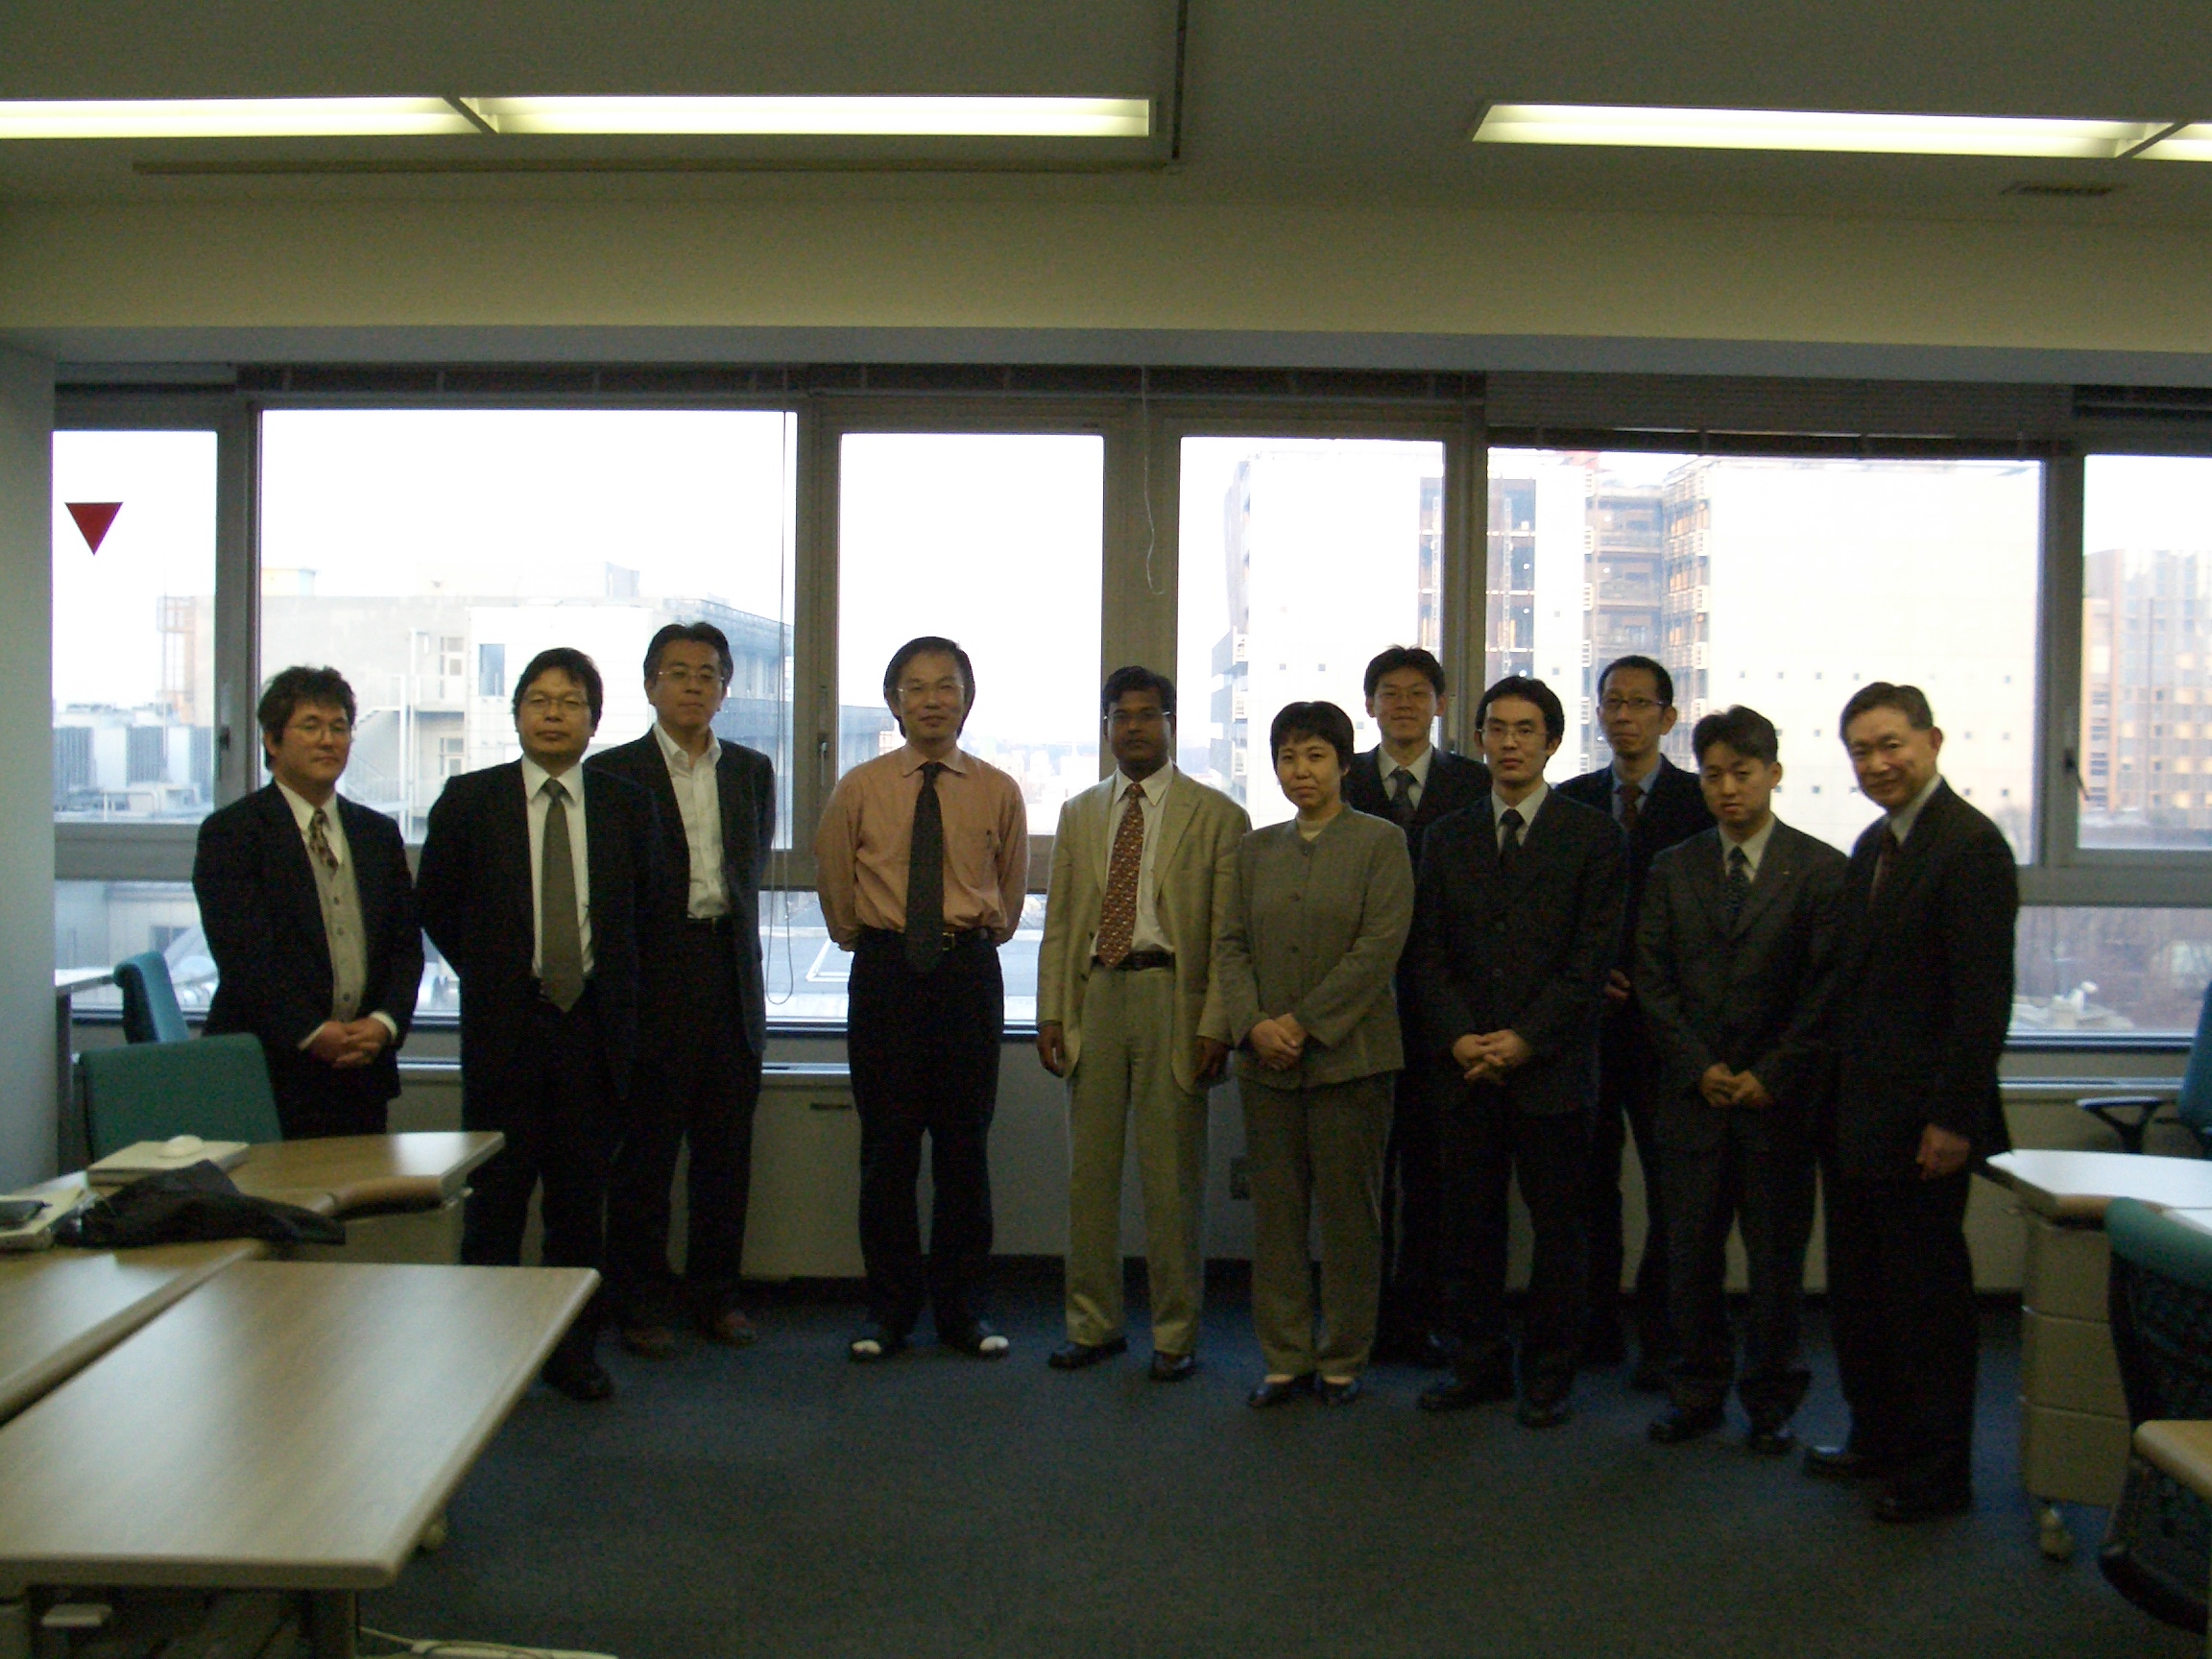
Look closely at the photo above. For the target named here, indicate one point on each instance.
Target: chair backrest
(149, 1010)
(216, 1088)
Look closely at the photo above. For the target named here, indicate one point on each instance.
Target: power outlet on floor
(1241, 1177)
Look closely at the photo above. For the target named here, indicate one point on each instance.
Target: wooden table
(418, 1171)
(290, 1426)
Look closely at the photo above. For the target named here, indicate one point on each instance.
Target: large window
(133, 626)
(1301, 558)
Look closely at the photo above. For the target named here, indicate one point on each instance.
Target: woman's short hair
(1323, 720)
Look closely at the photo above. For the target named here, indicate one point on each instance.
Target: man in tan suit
(1127, 1012)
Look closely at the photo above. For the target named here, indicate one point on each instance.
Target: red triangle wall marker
(93, 518)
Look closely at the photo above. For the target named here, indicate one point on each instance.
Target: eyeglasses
(1135, 717)
(1630, 705)
(538, 703)
(706, 678)
(315, 730)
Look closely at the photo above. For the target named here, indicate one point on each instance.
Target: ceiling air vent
(2059, 192)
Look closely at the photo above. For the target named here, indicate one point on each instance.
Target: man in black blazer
(1409, 780)
(309, 913)
(1517, 918)
(1923, 1001)
(535, 878)
(1734, 963)
(1656, 805)
(704, 1019)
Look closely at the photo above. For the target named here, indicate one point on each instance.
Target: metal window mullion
(1465, 577)
(2058, 667)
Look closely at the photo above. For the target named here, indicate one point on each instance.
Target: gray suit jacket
(1314, 929)
(1753, 997)
(1193, 867)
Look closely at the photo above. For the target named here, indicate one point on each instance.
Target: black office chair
(2129, 1115)
(2158, 1549)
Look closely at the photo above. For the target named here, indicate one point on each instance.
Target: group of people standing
(1439, 976)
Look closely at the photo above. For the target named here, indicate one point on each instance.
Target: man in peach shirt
(921, 863)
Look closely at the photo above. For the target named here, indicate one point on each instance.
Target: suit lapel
(1174, 818)
(511, 821)
(283, 829)
(1777, 871)
(1706, 880)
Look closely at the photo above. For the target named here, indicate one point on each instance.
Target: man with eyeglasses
(922, 863)
(537, 877)
(309, 913)
(1657, 804)
(703, 1021)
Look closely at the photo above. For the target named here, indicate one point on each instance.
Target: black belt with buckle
(707, 923)
(1138, 961)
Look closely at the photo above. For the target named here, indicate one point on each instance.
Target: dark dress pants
(1758, 1175)
(924, 1050)
(313, 1101)
(1412, 1214)
(557, 1108)
(1485, 1140)
(1625, 1067)
(1901, 1302)
(697, 1081)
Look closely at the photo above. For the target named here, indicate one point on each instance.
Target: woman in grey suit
(1316, 919)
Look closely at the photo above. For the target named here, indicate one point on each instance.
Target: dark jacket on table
(1672, 812)
(1753, 996)
(1923, 990)
(474, 888)
(745, 783)
(1526, 954)
(262, 914)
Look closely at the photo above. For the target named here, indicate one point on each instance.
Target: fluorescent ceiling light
(229, 118)
(2191, 143)
(1812, 130)
(872, 117)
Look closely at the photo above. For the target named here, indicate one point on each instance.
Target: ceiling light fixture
(1623, 124)
(2191, 142)
(229, 118)
(821, 116)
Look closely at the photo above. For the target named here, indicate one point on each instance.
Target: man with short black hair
(703, 1020)
(1656, 804)
(922, 863)
(309, 913)
(1130, 1013)
(535, 879)
(1408, 780)
(1923, 1001)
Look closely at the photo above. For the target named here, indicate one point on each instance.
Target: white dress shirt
(699, 804)
(1754, 847)
(333, 833)
(1529, 806)
(571, 782)
(1147, 934)
(1419, 769)
(1902, 820)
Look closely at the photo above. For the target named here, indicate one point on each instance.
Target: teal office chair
(2158, 1549)
(2129, 1115)
(216, 1088)
(149, 1010)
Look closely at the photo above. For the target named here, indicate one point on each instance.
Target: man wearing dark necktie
(1923, 1001)
(1412, 781)
(1516, 919)
(921, 863)
(536, 876)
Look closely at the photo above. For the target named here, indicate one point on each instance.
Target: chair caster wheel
(2052, 1536)
(433, 1535)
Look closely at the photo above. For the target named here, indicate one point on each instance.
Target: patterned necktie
(560, 937)
(1891, 847)
(1509, 848)
(1739, 885)
(1117, 915)
(1631, 804)
(1402, 794)
(319, 840)
(926, 876)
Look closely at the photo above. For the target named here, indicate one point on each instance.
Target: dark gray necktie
(1509, 848)
(926, 876)
(1890, 850)
(560, 937)
(1402, 794)
(1738, 887)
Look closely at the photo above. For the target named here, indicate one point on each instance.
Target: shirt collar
(1155, 787)
(1644, 784)
(680, 758)
(534, 778)
(1528, 808)
(1902, 820)
(1419, 768)
(912, 760)
(302, 809)
(1754, 846)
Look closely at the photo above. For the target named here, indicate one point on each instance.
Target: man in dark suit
(1923, 1001)
(1409, 780)
(309, 914)
(535, 878)
(1734, 962)
(1656, 805)
(1517, 917)
(704, 1021)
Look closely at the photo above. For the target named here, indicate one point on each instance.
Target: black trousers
(561, 1117)
(1625, 1068)
(1901, 1302)
(1412, 1211)
(1758, 1175)
(697, 1080)
(1485, 1140)
(313, 1101)
(924, 1048)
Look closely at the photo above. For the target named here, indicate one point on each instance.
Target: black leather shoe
(1543, 1413)
(1337, 1393)
(976, 1339)
(1679, 1423)
(1464, 1393)
(578, 1376)
(1917, 1503)
(1081, 1356)
(1771, 1439)
(1174, 1367)
(1842, 1463)
(1277, 1393)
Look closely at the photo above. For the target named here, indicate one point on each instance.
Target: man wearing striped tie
(1128, 1012)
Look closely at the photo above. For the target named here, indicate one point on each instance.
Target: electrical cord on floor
(442, 1649)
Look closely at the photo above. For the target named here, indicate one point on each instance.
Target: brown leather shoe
(731, 1328)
